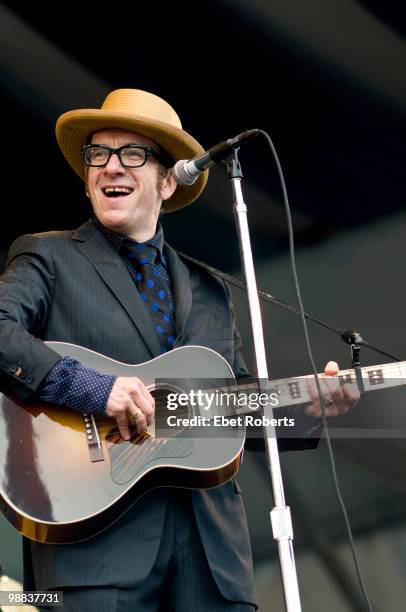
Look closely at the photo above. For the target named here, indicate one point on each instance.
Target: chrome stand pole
(280, 514)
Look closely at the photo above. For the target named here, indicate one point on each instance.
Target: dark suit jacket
(74, 287)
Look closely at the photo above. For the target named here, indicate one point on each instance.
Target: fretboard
(292, 391)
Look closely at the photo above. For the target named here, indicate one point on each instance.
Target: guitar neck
(292, 391)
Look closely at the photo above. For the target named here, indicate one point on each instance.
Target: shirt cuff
(71, 384)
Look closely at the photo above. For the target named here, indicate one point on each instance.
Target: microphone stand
(280, 514)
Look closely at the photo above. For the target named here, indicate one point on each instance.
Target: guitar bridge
(93, 439)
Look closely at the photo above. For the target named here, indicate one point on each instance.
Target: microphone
(187, 171)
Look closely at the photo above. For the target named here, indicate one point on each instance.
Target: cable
(310, 354)
(344, 334)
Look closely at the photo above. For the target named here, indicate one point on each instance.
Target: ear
(86, 189)
(168, 186)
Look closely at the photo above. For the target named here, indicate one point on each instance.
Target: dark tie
(153, 290)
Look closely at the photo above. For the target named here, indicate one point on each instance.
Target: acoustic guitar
(65, 477)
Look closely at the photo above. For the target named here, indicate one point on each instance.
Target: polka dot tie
(153, 291)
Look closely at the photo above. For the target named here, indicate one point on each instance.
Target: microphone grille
(181, 174)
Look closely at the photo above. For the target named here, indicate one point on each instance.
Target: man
(173, 550)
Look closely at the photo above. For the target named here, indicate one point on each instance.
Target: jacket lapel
(182, 283)
(110, 267)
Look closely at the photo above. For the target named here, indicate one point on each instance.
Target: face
(133, 210)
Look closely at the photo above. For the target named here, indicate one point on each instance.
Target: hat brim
(74, 128)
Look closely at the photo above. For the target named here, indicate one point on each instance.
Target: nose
(114, 165)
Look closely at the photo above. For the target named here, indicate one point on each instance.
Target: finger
(122, 424)
(141, 423)
(138, 417)
(331, 368)
(134, 413)
(147, 406)
(344, 397)
(351, 394)
(342, 400)
(148, 394)
(143, 399)
(339, 404)
(150, 418)
(314, 409)
(137, 413)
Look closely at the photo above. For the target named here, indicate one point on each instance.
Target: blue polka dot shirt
(71, 384)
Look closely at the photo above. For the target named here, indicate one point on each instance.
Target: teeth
(111, 190)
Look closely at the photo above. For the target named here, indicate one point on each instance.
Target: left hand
(337, 399)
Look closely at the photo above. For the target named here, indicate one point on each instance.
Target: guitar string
(388, 371)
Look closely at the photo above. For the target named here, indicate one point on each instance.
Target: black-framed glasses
(130, 156)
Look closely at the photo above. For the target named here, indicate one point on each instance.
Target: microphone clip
(355, 340)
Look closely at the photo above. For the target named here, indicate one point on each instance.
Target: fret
(345, 378)
(291, 391)
(375, 377)
(294, 389)
(384, 376)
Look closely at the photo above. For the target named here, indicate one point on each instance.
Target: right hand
(129, 395)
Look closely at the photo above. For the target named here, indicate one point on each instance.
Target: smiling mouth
(117, 192)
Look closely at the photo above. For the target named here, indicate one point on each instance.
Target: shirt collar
(117, 239)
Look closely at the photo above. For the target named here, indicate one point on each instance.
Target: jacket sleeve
(26, 293)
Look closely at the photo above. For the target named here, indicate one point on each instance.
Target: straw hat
(137, 111)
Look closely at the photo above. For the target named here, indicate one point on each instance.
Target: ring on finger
(328, 403)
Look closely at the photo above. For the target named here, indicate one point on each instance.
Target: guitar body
(64, 478)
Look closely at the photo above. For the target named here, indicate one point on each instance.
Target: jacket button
(17, 371)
